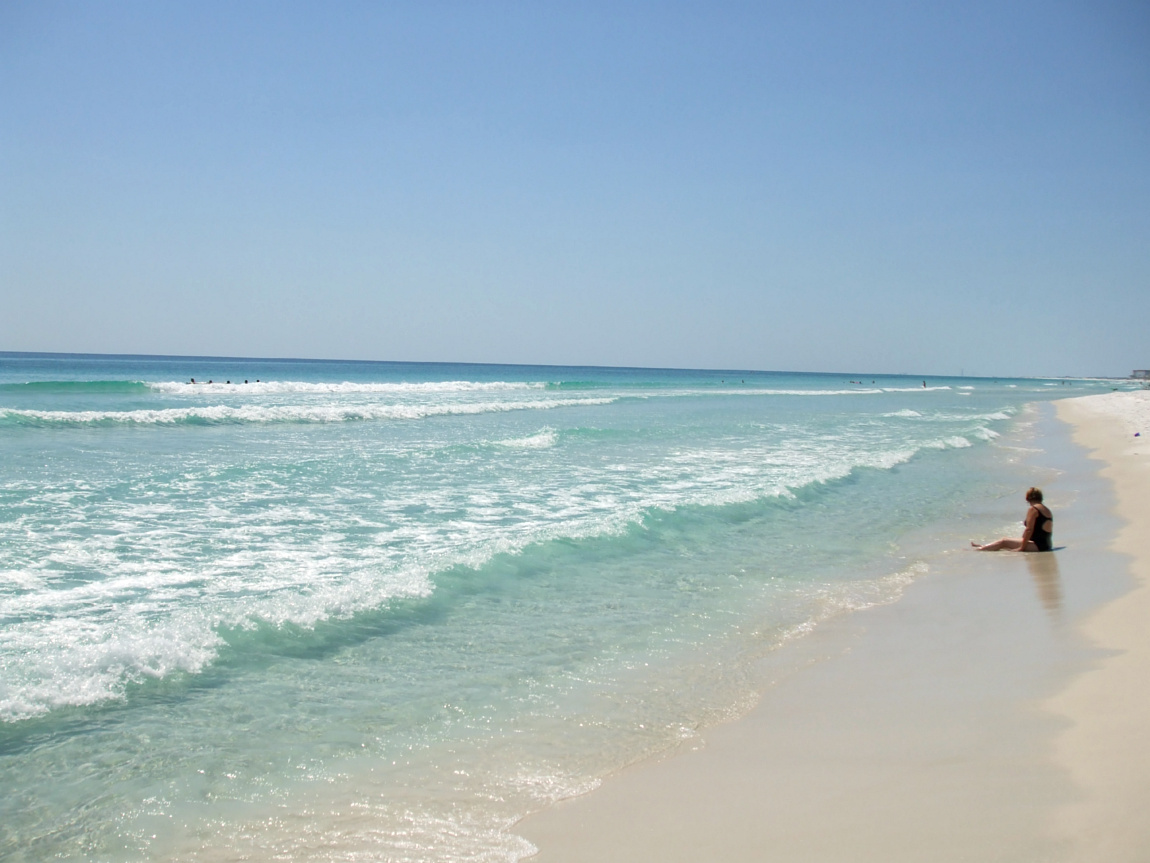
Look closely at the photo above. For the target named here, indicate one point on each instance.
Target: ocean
(319, 610)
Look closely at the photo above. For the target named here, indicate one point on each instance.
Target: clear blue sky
(838, 186)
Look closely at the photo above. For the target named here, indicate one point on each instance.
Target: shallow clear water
(380, 611)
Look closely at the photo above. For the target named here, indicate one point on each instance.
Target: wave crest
(341, 388)
(224, 414)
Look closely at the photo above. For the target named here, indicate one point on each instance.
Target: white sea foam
(87, 644)
(342, 388)
(294, 413)
(840, 598)
(953, 442)
(169, 602)
(913, 389)
(943, 417)
(752, 391)
(544, 439)
(94, 663)
(781, 392)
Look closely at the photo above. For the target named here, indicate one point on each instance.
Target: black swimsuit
(1040, 536)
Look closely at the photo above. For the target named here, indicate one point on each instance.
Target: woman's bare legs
(999, 544)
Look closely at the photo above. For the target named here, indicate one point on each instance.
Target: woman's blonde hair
(1034, 495)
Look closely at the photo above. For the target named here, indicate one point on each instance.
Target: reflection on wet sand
(1047, 581)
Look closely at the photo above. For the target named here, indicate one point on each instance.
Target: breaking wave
(341, 388)
(225, 414)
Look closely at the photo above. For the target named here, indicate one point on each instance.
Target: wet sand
(995, 712)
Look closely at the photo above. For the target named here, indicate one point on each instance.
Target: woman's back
(1043, 526)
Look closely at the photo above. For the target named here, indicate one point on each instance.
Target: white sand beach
(998, 711)
(1107, 748)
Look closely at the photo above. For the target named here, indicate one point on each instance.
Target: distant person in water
(1036, 533)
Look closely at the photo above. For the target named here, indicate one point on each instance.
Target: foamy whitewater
(378, 611)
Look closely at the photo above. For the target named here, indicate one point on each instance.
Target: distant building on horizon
(1141, 374)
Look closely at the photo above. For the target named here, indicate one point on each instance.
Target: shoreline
(961, 722)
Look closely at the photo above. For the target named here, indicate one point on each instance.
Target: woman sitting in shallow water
(1036, 534)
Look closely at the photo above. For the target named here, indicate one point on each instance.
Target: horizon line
(201, 357)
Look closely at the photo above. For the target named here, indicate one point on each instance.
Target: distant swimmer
(1037, 531)
(193, 380)
(924, 384)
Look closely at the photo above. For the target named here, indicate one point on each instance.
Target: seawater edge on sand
(910, 731)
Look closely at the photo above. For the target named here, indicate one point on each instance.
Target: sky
(873, 187)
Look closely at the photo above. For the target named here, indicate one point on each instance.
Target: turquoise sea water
(379, 611)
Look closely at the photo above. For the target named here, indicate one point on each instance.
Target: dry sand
(978, 718)
(1107, 749)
